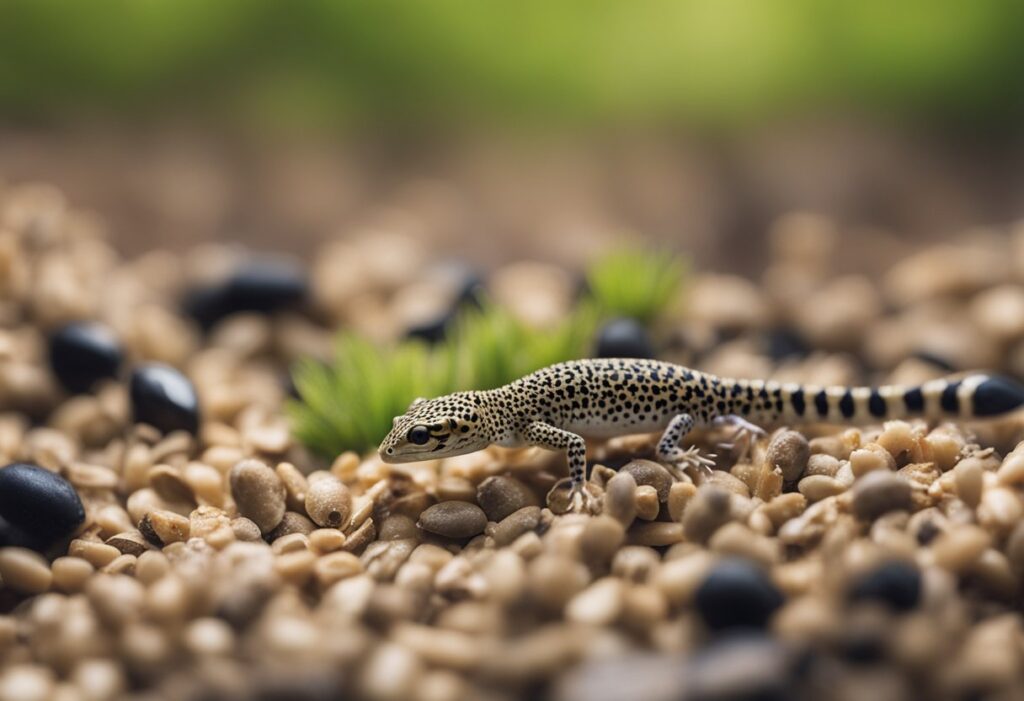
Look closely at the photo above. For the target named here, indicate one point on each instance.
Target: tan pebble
(222, 457)
(879, 492)
(295, 485)
(807, 617)
(1011, 472)
(652, 474)
(441, 685)
(151, 566)
(785, 507)
(995, 574)
(209, 637)
(728, 482)
(333, 567)
(600, 604)
(514, 525)
(390, 673)
(942, 448)
(552, 580)
(125, 564)
(736, 539)
(112, 519)
(788, 451)
(500, 496)
(258, 493)
(679, 495)
(326, 540)
(821, 464)
(833, 445)
(328, 502)
(295, 567)
(26, 683)
(169, 484)
(24, 570)
(220, 537)
(643, 606)
(443, 648)
(1015, 549)
(818, 487)
(845, 473)
(635, 563)
(620, 498)
(957, 549)
(655, 533)
(412, 505)
(706, 511)
(454, 519)
(382, 559)
(345, 466)
(116, 598)
(206, 483)
(362, 509)
(70, 573)
(206, 519)
(647, 505)
(451, 488)
(272, 437)
(678, 579)
(92, 476)
(291, 522)
(1000, 510)
(164, 527)
(130, 542)
(99, 679)
(245, 529)
(968, 476)
(601, 537)
(865, 460)
(290, 543)
(141, 502)
(431, 555)
(900, 439)
(96, 553)
(8, 632)
(527, 546)
(172, 444)
(167, 599)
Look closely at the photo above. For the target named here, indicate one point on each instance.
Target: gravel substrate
(199, 553)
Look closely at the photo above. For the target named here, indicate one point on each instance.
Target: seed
(328, 501)
(336, 566)
(821, 464)
(880, 492)
(151, 566)
(360, 537)
(500, 496)
(259, 494)
(865, 460)
(205, 482)
(169, 484)
(245, 529)
(71, 573)
(96, 553)
(86, 476)
(40, 503)
(788, 451)
(818, 487)
(291, 522)
(24, 570)
(325, 540)
(130, 542)
(290, 543)
(163, 397)
(397, 527)
(295, 485)
(295, 567)
(454, 519)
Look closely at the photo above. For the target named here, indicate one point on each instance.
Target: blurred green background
(327, 63)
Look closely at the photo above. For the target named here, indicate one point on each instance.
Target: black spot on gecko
(797, 400)
(949, 401)
(821, 403)
(846, 404)
(876, 404)
(914, 400)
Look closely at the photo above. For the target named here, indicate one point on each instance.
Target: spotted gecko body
(561, 405)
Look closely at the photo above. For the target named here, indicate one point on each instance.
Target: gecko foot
(743, 435)
(564, 498)
(691, 459)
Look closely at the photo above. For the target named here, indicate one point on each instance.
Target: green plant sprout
(635, 283)
(348, 404)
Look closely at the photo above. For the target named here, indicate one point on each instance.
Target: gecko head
(436, 428)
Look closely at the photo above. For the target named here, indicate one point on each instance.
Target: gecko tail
(997, 395)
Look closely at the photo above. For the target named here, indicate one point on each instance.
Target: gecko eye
(419, 435)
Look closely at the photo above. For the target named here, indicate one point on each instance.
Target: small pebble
(650, 473)
(789, 451)
(262, 285)
(623, 338)
(24, 571)
(737, 594)
(328, 501)
(259, 494)
(878, 493)
(83, 353)
(454, 519)
(500, 496)
(164, 398)
(39, 503)
(896, 584)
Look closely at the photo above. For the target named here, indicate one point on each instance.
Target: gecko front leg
(549, 437)
(677, 458)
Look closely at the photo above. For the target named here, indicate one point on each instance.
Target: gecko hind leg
(679, 459)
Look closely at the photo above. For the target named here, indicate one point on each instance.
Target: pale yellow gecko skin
(561, 405)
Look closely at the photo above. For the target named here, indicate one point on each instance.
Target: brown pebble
(514, 525)
(328, 502)
(291, 522)
(245, 529)
(788, 451)
(601, 537)
(454, 519)
(620, 498)
(650, 473)
(656, 533)
(879, 492)
(164, 527)
(501, 495)
(706, 511)
(397, 527)
(258, 493)
(24, 571)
